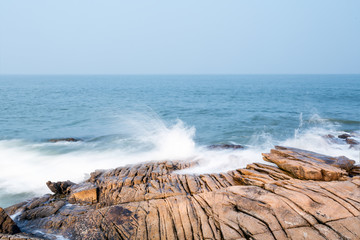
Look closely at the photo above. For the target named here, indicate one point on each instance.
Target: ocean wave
(26, 166)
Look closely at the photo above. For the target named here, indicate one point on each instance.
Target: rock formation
(300, 195)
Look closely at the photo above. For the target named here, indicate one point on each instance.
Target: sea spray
(311, 135)
(26, 166)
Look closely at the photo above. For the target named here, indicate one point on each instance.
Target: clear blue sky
(179, 37)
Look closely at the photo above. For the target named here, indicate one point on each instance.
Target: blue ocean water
(130, 119)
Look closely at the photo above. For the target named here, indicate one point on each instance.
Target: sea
(131, 119)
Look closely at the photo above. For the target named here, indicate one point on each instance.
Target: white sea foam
(26, 166)
(304, 137)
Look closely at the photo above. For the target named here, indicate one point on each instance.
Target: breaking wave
(26, 166)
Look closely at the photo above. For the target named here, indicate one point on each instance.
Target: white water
(27, 166)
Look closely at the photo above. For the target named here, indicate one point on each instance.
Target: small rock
(329, 136)
(54, 140)
(60, 187)
(225, 146)
(95, 175)
(333, 139)
(351, 141)
(7, 225)
(355, 170)
(344, 136)
(42, 211)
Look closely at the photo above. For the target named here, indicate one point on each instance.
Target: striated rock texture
(7, 225)
(9, 230)
(303, 195)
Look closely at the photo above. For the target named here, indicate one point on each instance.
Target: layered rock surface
(7, 225)
(304, 195)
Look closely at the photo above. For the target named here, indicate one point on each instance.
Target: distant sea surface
(124, 120)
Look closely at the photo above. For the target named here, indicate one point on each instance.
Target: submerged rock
(225, 146)
(344, 136)
(344, 139)
(352, 141)
(306, 195)
(54, 140)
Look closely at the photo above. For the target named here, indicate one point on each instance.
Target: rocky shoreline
(299, 195)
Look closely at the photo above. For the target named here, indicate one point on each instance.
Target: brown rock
(7, 225)
(42, 211)
(355, 170)
(352, 141)
(60, 187)
(84, 193)
(309, 165)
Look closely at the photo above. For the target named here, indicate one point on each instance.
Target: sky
(180, 37)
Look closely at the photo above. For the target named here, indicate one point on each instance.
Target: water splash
(26, 166)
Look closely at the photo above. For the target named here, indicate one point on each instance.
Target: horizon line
(166, 74)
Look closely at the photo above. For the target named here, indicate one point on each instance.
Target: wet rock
(351, 141)
(60, 187)
(329, 136)
(225, 146)
(333, 139)
(7, 225)
(55, 140)
(36, 202)
(344, 136)
(42, 211)
(20, 236)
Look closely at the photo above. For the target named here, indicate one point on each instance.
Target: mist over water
(128, 120)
